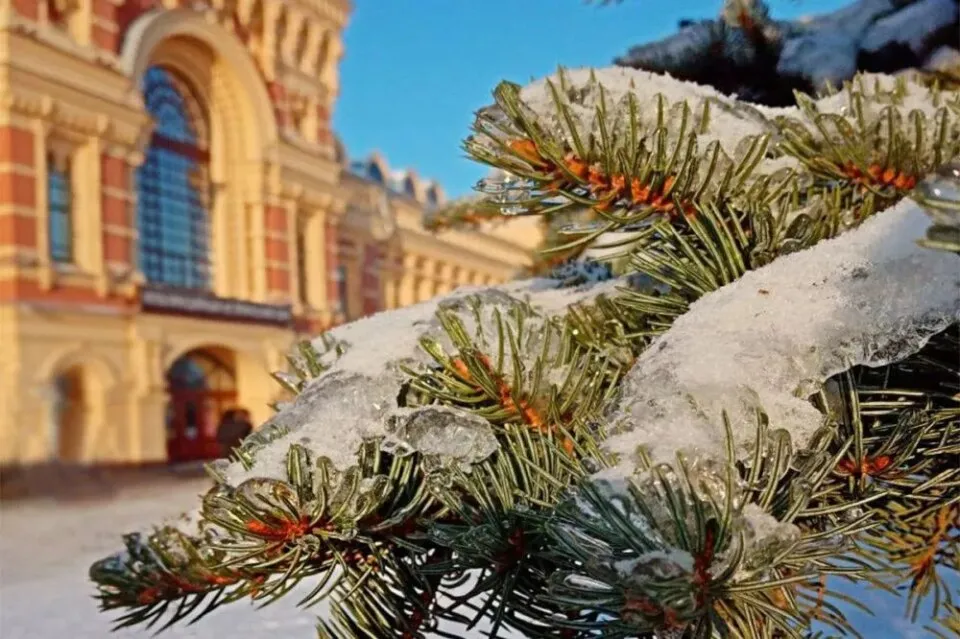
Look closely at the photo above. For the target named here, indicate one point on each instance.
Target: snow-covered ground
(47, 547)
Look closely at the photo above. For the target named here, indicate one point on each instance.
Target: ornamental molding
(57, 39)
(70, 121)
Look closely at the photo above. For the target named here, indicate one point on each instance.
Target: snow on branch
(356, 397)
(729, 126)
(769, 340)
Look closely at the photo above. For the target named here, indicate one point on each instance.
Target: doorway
(201, 386)
(71, 410)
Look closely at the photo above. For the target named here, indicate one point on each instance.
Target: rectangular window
(343, 291)
(60, 203)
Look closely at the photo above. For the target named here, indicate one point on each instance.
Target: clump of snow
(943, 59)
(726, 126)
(656, 566)
(373, 343)
(768, 340)
(763, 529)
(332, 415)
(550, 297)
(914, 97)
(356, 397)
(448, 432)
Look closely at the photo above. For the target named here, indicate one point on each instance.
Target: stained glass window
(174, 187)
(199, 370)
(60, 204)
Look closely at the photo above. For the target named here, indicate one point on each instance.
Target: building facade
(175, 212)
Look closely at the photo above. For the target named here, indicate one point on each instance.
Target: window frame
(61, 211)
(174, 186)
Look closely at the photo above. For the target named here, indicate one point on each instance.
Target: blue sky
(414, 71)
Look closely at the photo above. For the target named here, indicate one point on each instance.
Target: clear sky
(414, 71)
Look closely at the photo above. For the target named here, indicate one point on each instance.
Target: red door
(201, 388)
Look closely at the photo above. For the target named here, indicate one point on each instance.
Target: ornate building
(175, 212)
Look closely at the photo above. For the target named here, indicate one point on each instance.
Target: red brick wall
(372, 296)
(118, 249)
(278, 95)
(18, 189)
(106, 31)
(324, 132)
(277, 249)
(23, 288)
(29, 9)
(126, 13)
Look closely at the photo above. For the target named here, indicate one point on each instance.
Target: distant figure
(234, 425)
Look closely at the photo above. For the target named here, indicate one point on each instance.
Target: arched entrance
(71, 409)
(201, 386)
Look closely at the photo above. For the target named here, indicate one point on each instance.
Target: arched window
(409, 187)
(174, 186)
(201, 371)
(433, 198)
(375, 173)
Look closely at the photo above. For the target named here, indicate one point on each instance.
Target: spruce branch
(489, 488)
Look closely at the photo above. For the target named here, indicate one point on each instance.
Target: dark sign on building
(200, 304)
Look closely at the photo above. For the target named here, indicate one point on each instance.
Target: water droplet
(591, 465)
(497, 183)
(582, 582)
(950, 170)
(939, 189)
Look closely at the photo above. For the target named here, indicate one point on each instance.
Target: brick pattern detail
(29, 9)
(126, 13)
(16, 146)
(24, 289)
(277, 249)
(118, 249)
(18, 189)
(370, 282)
(278, 95)
(324, 132)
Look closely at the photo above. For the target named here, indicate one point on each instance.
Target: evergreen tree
(744, 402)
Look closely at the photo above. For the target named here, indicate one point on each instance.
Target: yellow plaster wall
(123, 360)
(90, 102)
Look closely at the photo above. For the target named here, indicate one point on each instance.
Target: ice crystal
(450, 433)
(767, 341)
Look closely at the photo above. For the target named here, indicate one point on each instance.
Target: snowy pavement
(47, 547)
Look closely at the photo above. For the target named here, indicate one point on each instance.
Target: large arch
(64, 360)
(244, 81)
(202, 389)
(243, 132)
(80, 387)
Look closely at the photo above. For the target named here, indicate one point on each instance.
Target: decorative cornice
(57, 39)
(69, 120)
